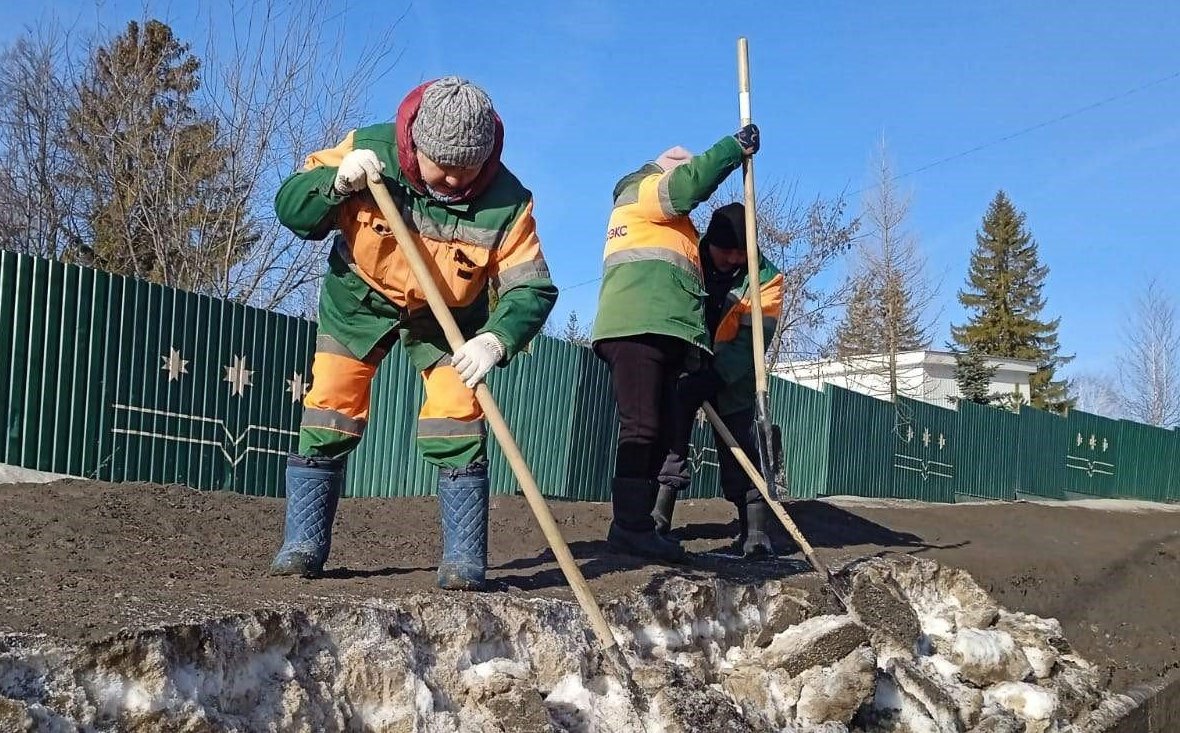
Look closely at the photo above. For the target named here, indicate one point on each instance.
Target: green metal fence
(108, 377)
(861, 442)
(1091, 454)
(593, 430)
(803, 414)
(703, 460)
(924, 456)
(1173, 480)
(535, 393)
(1042, 439)
(1149, 465)
(117, 379)
(988, 456)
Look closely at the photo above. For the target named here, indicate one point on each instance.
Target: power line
(1033, 128)
(584, 282)
(998, 141)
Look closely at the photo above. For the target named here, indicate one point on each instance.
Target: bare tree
(1098, 394)
(1149, 366)
(35, 96)
(284, 78)
(804, 239)
(890, 292)
(167, 163)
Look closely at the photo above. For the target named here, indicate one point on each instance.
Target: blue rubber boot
(463, 505)
(313, 491)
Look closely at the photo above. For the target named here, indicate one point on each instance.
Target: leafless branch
(280, 84)
(1149, 366)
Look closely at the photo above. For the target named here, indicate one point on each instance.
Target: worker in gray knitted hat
(455, 135)
(455, 126)
(440, 160)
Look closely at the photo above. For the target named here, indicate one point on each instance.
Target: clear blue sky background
(588, 90)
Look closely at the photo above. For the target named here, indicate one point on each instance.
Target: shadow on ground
(822, 524)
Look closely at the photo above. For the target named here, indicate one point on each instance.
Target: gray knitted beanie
(455, 125)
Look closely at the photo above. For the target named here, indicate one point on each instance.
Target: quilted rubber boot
(313, 492)
(633, 530)
(463, 505)
(665, 505)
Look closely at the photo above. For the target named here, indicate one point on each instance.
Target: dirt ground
(79, 560)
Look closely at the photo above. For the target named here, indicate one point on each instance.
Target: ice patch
(936, 625)
(1041, 661)
(988, 656)
(897, 712)
(1028, 702)
(944, 667)
(606, 709)
(790, 638)
(507, 667)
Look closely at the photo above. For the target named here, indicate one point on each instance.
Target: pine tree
(1004, 300)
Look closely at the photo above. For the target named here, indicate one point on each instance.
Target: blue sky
(589, 90)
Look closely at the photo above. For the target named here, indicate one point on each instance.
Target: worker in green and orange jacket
(473, 221)
(650, 325)
(727, 380)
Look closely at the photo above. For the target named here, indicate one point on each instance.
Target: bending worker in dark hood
(728, 380)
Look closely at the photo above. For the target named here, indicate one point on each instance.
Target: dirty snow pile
(922, 648)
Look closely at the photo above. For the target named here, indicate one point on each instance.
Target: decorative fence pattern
(111, 378)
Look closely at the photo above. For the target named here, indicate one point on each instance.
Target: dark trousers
(644, 371)
(735, 484)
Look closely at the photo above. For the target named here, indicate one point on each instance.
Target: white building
(924, 375)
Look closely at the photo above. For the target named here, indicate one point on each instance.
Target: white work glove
(476, 358)
(356, 170)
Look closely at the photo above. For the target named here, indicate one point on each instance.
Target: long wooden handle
(760, 484)
(500, 429)
(751, 224)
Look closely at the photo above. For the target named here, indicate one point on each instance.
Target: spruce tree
(974, 376)
(573, 332)
(859, 332)
(1004, 300)
(880, 317)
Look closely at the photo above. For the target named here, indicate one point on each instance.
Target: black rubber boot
(665, 505)
(755, 540)
(743, 524)
(633, 531)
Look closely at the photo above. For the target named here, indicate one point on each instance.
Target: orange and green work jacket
(729, 315)
(488, 241)
(370, 298)
(652, 282)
